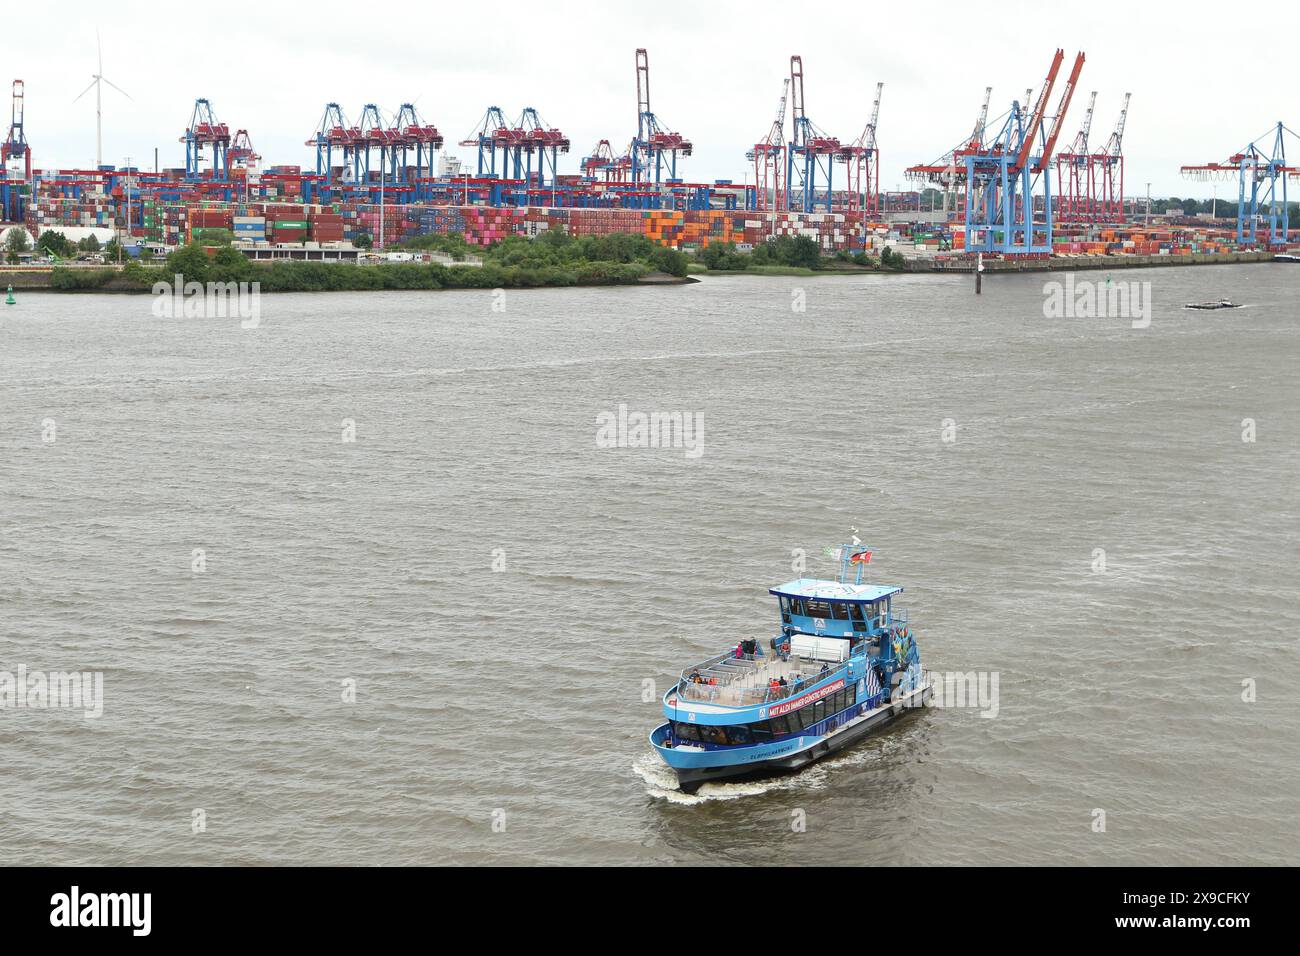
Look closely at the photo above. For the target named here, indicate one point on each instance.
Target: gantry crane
(412, 132)
(601, 163)
(15, 161)
(768, 157)
(333, 133)
(811, 156)
(536, 149)
(1074, 195)
(1106, 173)
(205, 131)
(862, 159)
(1262, 187)
(655, 149)
(492, 134)
(1003, 176)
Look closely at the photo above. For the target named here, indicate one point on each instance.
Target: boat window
(713, 735)
(761, 732)
(781, 726)
(855, 612)
(738, 734)
(840, 611)
(685, 731)
(820, 609)
(804, 717)
(796, 607)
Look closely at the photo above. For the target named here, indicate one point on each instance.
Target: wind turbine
(96, 82)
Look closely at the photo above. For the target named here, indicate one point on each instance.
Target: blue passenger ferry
(843, 666)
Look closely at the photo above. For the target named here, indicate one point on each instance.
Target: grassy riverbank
(552, 260)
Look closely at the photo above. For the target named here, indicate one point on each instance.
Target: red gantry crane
(862, 159)
(1074, 196)
(1106, 173)
(768, 157)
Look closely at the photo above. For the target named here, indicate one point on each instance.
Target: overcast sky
(715, 67)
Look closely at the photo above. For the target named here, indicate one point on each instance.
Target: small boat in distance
(1286, 257)
(1221, 304)
(843, 666)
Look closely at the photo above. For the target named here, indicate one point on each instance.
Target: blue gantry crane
(1006, 179)
(655, 149)
(204, 131)
(412, 133)
(333, 136)
(15, 162)
(1261, 191)
(489, 137)
(536, 149)
(811, 154)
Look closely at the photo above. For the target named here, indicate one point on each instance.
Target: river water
(1069, 503)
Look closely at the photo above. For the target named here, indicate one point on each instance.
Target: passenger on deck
(784, 685)
(826, 669)
(695, 677)
(739, 651)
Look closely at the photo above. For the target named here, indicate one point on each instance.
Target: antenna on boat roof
(856, 556)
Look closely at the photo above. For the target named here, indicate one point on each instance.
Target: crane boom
(779, 126)
(870, 139)
(796, 96)
(1040, 108)
(1116, 144)
(642, 92)
(977, 135)
(1087, 118)
(1058, 121)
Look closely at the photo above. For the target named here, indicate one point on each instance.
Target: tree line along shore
(553, 259)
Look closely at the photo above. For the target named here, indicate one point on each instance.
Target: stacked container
(250, 228)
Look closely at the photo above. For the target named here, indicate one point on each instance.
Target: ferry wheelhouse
(843, 665)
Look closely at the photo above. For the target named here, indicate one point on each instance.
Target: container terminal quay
(1036, 186)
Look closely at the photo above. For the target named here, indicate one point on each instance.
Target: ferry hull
(691, 779)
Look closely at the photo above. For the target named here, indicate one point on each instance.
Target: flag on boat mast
(873, 682)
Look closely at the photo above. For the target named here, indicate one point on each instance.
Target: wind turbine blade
(118, 88)
(87, 89)
(99, 49)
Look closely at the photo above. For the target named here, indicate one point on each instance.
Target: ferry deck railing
(743, 682)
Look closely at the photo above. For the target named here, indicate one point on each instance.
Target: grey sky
(716, 71)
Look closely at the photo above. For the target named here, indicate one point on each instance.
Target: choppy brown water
(522, 690)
